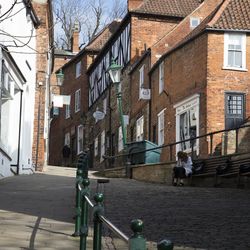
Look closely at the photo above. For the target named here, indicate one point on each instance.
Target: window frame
(67, 139)
(194, 19)
(226, 51)
(160, 130)
(80, 127)
(78, 69)
(141, 79)
(140, 129)
(77, 100)
(96, 148)
(103, 137)
(120, 139)
(67, 111)
(161, 77)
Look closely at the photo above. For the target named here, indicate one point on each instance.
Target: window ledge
(236, 69)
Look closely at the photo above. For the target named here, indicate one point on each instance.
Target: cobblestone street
(206, 218)
(36, 213)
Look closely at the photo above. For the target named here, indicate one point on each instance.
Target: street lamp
(60, 78)
(114, 71)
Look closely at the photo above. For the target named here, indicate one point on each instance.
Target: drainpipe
(19, 136)
(150, 104)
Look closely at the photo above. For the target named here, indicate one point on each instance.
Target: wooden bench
(235, 169)
(211, 166)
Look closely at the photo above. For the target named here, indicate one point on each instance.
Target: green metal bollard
(78, 204)
(98, 210)
(84, 215)
(165, 245)
(137, 241)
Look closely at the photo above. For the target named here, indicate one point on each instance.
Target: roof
(235, 16)
(102, 37)
(230, 15)
(174, 8)
(96, 44)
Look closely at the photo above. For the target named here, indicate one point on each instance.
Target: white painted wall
(17, 28)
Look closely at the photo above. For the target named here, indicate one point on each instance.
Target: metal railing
(192, 141)
(83, 203)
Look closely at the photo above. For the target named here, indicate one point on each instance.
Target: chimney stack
(134, 4)
(75, 38)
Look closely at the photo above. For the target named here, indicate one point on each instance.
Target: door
(234, 110)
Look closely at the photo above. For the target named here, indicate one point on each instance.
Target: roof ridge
(219, 13)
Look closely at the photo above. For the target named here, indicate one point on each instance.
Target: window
(139, 129)
(161, 127)
(78, 69)
(102, 145)
(80, 139)
(194, 22)
(161, 77)
(96, 146)
(67, 139)
(141, 80)
(77, 100)
(120, 139)
(105, 106)
(187, 122)
(67, 111)
(235, 51)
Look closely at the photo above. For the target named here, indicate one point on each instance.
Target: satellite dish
(98, 115)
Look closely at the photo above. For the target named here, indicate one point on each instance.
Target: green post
(84, 215)
(98, 210)
(78, 204)
(83, 164)
(137, 241)
(165, 245)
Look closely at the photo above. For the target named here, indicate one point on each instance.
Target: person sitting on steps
(182, 169)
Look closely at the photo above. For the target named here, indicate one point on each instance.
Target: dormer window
(194, 22)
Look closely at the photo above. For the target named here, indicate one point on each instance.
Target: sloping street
(36, 212)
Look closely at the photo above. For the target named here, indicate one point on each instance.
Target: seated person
(183, 168)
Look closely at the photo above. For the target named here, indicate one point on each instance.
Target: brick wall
(42, 44)
(185, 75)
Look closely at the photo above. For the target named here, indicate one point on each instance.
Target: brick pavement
(36, 213)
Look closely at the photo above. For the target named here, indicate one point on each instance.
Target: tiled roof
(176, 8)
(236, 16)
(102, 37)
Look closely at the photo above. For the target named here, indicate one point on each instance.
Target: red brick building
(44, 66)
(205, 84)
(69, 127)
(145, 24)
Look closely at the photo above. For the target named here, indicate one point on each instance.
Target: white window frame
(161, 77)
(120, 139)
(78, 69)
(67, 111)
(192, 20)
(67, 139)
(140, 129)
(77, 100)
(79, 139)
(141, 79)
(96, 146)
(243, 50)
(160, 127)
(105, 105)
(191, 103)
(102, 145)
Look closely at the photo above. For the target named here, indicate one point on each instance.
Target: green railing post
(98, 210)
(137, 241)
(83, 164)
(165, 245)
(78, 204)
(84, 215)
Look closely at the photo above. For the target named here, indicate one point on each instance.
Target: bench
(210, 167)
(235, 168)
